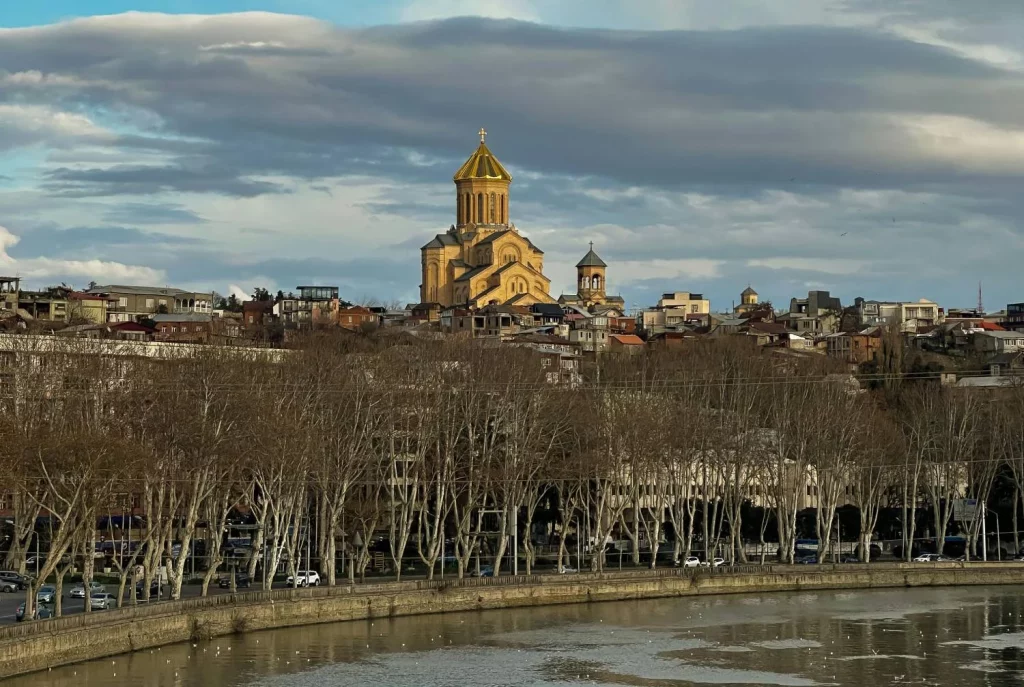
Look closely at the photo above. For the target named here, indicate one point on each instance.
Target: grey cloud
(231, 104)
(52, 241)
(145, 180)
(151, 213)
(660, 108)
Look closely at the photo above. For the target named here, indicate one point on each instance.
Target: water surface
(950, 636)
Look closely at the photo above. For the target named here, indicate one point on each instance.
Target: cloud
(45, 269)
(751, 141)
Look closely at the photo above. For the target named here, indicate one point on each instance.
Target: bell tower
(481, 191)
(590, 278)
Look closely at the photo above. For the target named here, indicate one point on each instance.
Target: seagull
(844, 233)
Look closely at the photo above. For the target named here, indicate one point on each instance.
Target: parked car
(46, 594)
(41, 613)
(242, 581)
(485, 571)
(566, 570)
(930, 558)
(713, 563)
(806, 559)
(689, 562)
(78, 592)
(305, 579)
(101, 601)
(11, 581)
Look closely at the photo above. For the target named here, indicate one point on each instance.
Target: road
(10, 602)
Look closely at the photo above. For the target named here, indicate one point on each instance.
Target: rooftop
(591, 259)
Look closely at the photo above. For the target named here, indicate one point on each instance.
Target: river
(950, 636)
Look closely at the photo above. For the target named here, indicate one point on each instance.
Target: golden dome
(482, 165)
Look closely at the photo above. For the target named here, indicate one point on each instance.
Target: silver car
(78, 592)
(101, 601)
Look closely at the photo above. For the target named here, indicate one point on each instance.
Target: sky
(873, 148)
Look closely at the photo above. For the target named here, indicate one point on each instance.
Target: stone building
(483, 259)
(748, 302)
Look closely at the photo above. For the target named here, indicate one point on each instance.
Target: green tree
(261, 294)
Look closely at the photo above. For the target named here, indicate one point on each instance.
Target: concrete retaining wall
(37, 646)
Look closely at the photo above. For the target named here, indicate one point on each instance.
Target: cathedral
(482, 258)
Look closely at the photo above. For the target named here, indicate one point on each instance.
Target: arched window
(501, 209)
(480, 208)
(492, 217)
(597, 282)
(465, 208)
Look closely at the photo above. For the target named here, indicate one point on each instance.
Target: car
(41, 613)
(305, 579)
(46, 594)
(713, 563)
(485, 571)
(101, 601)
(242, 581)
(78, 591)
(566, 570)
(930, 558)
(807, 559)
(154, 588)
(689, 562)
(11, 581)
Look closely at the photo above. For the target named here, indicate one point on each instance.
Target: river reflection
(950, 636)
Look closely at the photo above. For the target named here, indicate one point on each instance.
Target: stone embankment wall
(36, 646)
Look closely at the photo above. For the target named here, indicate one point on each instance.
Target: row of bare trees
(434, 450)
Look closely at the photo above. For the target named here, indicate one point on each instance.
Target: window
(480, 208)
(491, 212)
(163, 301)
(149, 303)
(122, 302)
(694, 308)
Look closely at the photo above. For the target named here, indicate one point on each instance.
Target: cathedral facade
(482, 258)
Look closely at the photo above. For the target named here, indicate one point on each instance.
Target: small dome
(748, 292)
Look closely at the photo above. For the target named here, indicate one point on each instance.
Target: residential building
(183, 327)
(590, 334)
(625, 343)
(482, 258)
(910, 316)
(10, 287)
(674, 311)
(819, 313)
(998, 341)
(357, 317)
(256, 314)
(855, 347)
(313, 305)
(1014, 320)
(134, 303)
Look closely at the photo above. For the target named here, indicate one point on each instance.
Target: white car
(101, 601)
(930, 558)
(78, 592)
(713, 563)
(566, 570)
(305, 579)
(690, 562)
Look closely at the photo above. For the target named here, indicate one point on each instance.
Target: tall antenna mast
(981, 308)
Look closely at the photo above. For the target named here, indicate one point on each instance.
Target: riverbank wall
(45, 644)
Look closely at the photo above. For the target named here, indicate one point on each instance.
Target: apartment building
(134, 303)
(674, 311)
(910, 316)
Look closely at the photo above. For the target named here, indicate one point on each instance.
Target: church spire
(481, 189)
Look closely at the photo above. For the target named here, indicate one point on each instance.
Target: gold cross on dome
(483, 134)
